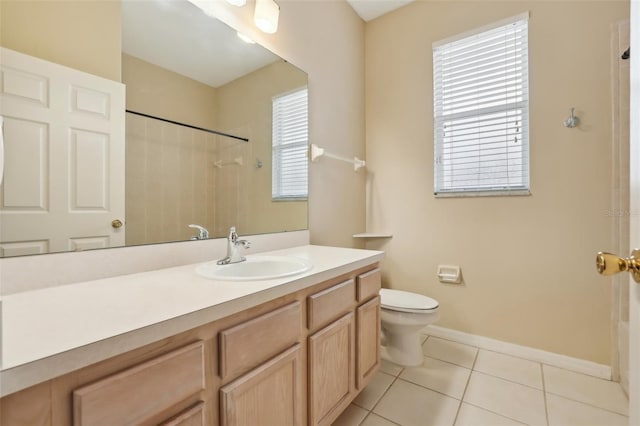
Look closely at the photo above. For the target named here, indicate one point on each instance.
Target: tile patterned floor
(462, 385)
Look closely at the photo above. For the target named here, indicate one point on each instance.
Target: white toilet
(403, 315)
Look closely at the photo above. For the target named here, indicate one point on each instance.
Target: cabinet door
(368, 348)
(193, 416)
(331, 370)
(267, 395)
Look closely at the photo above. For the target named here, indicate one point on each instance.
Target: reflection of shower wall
(232, 196)
(170, 180)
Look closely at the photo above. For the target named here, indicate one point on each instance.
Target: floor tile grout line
(432, 390)
(466, 386)
(443, 361)
(383, 417)
(494, 412)
(420, 386)
(428, 388)
(586, 403)
(395, 379)
(447, 361)
(507, 380)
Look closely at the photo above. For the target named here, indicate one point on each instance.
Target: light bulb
(266, 16)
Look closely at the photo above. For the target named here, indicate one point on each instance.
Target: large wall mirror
(202, 108)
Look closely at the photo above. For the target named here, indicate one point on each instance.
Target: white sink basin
(255, 268)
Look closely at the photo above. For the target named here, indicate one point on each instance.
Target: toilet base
(404, 349)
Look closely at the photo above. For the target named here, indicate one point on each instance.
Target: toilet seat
(404, 301)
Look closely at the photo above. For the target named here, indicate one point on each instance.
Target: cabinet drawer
(250, 343)
(140, 392)
(369, 284)
(329, 304)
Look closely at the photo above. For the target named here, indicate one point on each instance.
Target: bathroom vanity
(289, 351)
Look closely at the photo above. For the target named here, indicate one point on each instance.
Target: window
(290, 140)
(481, 111)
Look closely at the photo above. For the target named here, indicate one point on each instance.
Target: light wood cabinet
(368, 284)
(331, 370)
(325, 306)
(267, 395)
(140, 393)
(368, 346)
(192, 416)
(249, 343)
(295, 360)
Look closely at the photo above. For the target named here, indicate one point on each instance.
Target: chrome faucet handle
(203, 234)
(244, 243)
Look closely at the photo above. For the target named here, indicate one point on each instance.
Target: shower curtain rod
(215, 132)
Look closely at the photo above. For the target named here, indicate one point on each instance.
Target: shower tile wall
(172, 181)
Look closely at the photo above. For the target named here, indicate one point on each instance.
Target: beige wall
(325, 39)
(528, 262)
(80, 34)
(157, 91)
(245, 107)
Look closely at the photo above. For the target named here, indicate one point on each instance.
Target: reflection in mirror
(189, 80)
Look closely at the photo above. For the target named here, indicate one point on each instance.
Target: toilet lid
(404, 301)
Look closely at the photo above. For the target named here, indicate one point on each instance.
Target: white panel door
(64, 157)
(634, 228)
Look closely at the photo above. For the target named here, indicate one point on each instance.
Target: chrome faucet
(233, 245)
(203, 234)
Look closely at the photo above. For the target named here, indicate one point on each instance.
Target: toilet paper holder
(449, 274)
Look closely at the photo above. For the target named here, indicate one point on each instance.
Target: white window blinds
(481, 111)
(290, 141)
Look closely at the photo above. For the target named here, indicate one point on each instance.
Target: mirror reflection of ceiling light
(245, 38)
(238, 3)
(266, 15)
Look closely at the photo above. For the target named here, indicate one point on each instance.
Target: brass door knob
(609, 264)
(116, 223)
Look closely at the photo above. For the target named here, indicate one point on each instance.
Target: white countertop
(50, 332)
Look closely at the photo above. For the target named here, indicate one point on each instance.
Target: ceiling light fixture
(266, 15)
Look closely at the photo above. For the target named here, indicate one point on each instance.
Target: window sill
(467, 194)
(278, 200)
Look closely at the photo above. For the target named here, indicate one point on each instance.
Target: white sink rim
(246, 271)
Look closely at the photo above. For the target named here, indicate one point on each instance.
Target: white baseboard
(556, 360)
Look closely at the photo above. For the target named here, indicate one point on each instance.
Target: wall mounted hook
(572, 121)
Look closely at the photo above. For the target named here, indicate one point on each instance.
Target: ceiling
(371, 9)
(179, 37)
